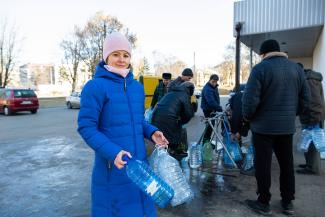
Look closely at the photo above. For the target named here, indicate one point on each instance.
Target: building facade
(298, 25)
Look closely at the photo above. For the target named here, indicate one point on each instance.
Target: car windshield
(24, 93)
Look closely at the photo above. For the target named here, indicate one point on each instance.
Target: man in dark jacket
(276, 90)
(314, 116)
(173, 111)
(187, 75)
(161, 89)
(210, 101)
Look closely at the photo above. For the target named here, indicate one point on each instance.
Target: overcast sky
(176, 27)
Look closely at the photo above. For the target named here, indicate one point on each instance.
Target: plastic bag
(233, 149)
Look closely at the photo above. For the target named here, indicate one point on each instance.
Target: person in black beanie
(187, 75)
(275, 93)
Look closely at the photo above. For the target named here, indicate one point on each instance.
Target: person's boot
(306, 171)
(287, 208)
(303, 166)
(258, 207)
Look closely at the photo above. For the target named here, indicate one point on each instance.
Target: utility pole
(194, 74)
(238, 29)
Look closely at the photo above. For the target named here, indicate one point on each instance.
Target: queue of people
(111, 122)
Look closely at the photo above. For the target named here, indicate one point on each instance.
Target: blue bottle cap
(125, 158)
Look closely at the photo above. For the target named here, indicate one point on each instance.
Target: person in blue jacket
(111, 121)
(210, 102)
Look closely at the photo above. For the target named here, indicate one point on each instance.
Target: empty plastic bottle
(318, 137)
(249, 158)
(305, 140)
(195, 159)
(151, 184)
(207, 152)
(171, 172)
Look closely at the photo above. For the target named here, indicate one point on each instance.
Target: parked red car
(16, 100)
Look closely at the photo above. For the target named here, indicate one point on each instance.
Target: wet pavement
(46, 167)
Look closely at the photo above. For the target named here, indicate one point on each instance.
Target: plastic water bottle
(249, 158)
(305, 140)
(207, 152)
(151, 184)
(195, 159)
(318, 137)
(170, 170)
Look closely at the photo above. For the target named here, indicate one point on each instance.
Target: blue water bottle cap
(125, 158)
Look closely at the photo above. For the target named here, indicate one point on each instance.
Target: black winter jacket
(275, 93)
(172, 111)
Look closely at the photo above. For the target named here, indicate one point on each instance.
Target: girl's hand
(159, 138)
(118, 162)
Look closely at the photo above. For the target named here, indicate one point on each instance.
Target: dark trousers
(281, 145)
(208, 132)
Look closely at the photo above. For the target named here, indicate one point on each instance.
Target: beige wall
(307, 62)
(319, 56)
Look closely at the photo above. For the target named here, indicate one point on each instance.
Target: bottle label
(152, 188)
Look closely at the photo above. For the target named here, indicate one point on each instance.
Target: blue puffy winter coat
(111, 119)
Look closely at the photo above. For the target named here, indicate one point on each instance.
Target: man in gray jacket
(275, 93)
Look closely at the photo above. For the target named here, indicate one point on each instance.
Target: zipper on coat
(132, 121)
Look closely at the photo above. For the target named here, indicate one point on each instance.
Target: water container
(154, 160)
(249, 158)
(305, 140)
(152, 185)
(170, 171)
(318, 137)
(207, 151)
(148, 114)
(195, 158)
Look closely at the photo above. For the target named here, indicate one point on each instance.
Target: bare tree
(9, 51)
(94, 34)
(227, 67)
(169, 64)
(72, 58)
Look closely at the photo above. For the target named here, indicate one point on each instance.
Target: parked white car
(73, 101)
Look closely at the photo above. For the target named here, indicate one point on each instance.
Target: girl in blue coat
(111, 121)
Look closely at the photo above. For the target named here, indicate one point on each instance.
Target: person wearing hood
(210, 102)
(173, 111)
(275, 93)
(111, 121)
(313, 117)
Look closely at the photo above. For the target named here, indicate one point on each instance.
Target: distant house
(298, 25)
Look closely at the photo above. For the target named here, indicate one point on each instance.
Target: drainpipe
(238, 28)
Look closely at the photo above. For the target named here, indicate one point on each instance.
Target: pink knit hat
(113, 42)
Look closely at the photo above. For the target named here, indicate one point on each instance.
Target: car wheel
(34, 111)
(7, 111)
(69, 105)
